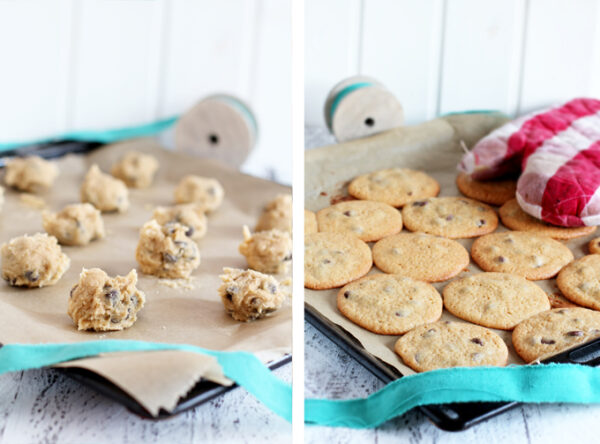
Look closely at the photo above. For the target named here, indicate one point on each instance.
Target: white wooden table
(44, 406)
(330, 372)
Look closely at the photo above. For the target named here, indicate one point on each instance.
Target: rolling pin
(220, 127)
(359, 107)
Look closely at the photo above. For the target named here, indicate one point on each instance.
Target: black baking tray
(202, 392)
(50, 150)
(450, 417)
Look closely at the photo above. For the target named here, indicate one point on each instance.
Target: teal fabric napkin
(569, 383)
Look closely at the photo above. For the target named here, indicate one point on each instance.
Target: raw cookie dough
(30, 173)
(516, 219)
(451, 344)
(267, 251)
(101, 303)
(580, 281)
(166, 251)
(394, 186)
(249, 295)
(389, 304)
(553, 331)
(526, 254)
(334, 259)
(190, 215)
(420, 256)
(310, 222)
(204, 191)
(453, 217)
(104, 191)
(76, 224)
(494, 300)
(494, 192)
(1, 197)
(137, 170)
(277, 214)
(367, 220)
(33, 261)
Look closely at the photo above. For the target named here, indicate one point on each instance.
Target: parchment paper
(433, 147)
(171, 315)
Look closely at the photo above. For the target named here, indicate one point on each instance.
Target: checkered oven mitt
(557, 153)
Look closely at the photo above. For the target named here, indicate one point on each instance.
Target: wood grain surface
(44, 406)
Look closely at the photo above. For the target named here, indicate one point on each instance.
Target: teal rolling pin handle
(100, 136)
(474, 111)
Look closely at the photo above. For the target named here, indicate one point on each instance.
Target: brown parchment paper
(171, 315)
(433, 147)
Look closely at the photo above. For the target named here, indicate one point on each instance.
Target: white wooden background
(81, 64)
(439, 56)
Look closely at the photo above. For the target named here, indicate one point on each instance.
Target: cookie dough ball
(267, 251)
(101, 303)
(30, 173)
(190, 215)
(104, 191)
(277, 214)
(137, 170)
(166, 251)
(76, 224)
(249, 295)
(33, 261)
(203, 191)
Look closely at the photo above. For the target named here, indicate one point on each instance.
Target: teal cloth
(104, 136)
(570, 383)
(532, 383)
(243, 368)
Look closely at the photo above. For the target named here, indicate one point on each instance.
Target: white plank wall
(331, 47)
(33, 89)
(560, 51)
(115, 62)
(206, 40)
(83, 64)
(482, 55)
(401, 48)
(440, 56)
(270, 89)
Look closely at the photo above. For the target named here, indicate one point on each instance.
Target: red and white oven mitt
(557, 153)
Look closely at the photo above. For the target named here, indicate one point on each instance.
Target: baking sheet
(171, 315)
(433, 147)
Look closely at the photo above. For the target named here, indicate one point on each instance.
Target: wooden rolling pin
(330, 167)
(219, 126)
(359, 107)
